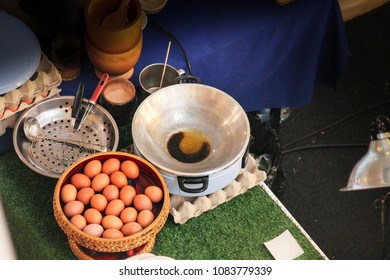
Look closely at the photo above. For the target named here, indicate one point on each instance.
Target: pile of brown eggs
(101, 201)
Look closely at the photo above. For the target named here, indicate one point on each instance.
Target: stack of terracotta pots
(113, 48)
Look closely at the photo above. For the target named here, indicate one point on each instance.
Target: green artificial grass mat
(236, 229)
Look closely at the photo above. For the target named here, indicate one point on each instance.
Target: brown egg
(80, 180)
(99, 202)
(119, 179)
(112, 233)
(111, 192)
(145, 218)
(114, 207)
(129, 214)
(84, 195)
(78, 221)
(68, 193)
(142, 202)
(93, 216)
(100, 181)
(130, 169)
(94, 230)
(111, 165)
(131, 228)
(72, 208)
(111, 221)
(154, 193)
(92, 168)
(127, 194)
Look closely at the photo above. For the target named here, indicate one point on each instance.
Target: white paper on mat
(284, 247)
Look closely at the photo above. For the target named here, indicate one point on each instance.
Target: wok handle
(187, 79)
(194, 181)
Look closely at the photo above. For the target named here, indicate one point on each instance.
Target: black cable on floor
(335, 123)
(321, 146)
(177, 42)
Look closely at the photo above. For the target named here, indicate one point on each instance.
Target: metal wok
(208, 111)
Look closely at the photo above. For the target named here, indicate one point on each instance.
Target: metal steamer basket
(58, 145)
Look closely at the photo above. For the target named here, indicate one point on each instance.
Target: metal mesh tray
(51, 158)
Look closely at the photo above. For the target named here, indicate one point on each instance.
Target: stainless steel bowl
(48, 154)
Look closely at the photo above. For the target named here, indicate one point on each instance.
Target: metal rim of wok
(191, 106)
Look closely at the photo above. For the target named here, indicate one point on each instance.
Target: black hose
(177, 43)
(335, 123)
(320, 146)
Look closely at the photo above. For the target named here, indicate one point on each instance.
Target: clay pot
(114, 63)
(110, 39)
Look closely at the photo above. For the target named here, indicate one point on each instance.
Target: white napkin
(284, 247)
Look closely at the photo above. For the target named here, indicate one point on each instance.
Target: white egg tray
(185, 208)
(42, 85)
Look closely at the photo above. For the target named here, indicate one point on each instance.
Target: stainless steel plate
(51, 158)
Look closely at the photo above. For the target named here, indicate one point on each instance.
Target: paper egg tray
(184, 208)
(42, 85)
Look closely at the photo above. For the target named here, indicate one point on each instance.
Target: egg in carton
(184, 208)
(44, 83)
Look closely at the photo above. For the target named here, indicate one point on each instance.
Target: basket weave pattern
(145, 236)
(83, 256)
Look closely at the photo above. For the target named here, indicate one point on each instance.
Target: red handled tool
(92, 101)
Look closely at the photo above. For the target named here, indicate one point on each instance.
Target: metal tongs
(77, 101)
(92, 101)
(76, 110)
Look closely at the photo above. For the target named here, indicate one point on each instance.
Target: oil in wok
(189, 146)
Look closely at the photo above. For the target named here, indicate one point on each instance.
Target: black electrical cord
(335, 124)
(321, 146)
(177, 42)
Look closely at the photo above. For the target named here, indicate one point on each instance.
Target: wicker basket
(145, 236)
(86, 254)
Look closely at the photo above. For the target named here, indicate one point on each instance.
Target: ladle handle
(182, 181)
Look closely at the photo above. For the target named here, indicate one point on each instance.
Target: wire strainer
(54, 148)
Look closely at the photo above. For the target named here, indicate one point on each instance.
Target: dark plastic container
(266, 148)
